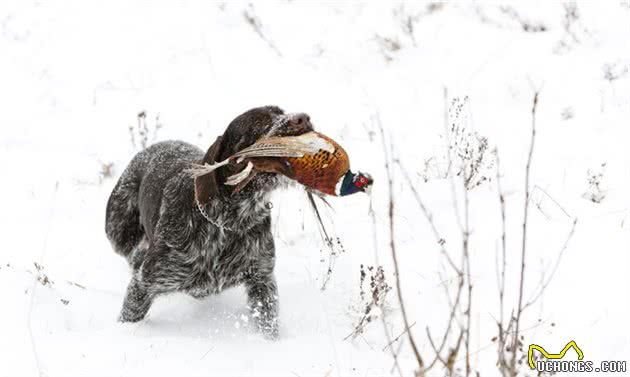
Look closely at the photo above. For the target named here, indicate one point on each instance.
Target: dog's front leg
(262, 293)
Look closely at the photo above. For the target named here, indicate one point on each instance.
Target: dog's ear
(206, 186)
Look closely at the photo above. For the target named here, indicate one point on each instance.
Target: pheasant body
(323, 170)
(312, 159)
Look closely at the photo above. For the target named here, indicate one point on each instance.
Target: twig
(536, 187)
(545, 283)
(501, 322)
(465, 248)
(383, 321)
(34, 287)
(450, 362)
(437, 352)
(392, 246)
(465, 231)
(519, 310)
(460, 270)
(396, 366)
(75, 284)
(399, 335)
(393, 352)
(449, 324)
(254, 22)
(503, 236)
(449, 171)
(427, 214)
(206, 353)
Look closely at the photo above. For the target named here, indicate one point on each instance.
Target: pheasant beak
(368, 190)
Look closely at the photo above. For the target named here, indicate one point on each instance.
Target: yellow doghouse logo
(552, 356)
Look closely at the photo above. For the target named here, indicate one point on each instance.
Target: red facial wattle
(361, 182)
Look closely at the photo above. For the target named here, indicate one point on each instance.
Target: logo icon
(552, 356)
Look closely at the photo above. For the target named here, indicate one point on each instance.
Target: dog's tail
(122, 216)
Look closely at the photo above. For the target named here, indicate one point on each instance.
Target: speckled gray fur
(152, 220)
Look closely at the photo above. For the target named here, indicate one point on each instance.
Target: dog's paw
(126, 317)
(268, 328)
(270, 333)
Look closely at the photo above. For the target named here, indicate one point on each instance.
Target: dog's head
(243, 131)
(265, 121)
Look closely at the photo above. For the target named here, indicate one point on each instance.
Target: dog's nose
(300, 118)
(300, 122)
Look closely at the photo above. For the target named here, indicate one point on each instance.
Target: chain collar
(203, 212)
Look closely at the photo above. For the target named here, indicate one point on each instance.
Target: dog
(200, 236)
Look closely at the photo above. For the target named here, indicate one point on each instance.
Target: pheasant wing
(288, 146)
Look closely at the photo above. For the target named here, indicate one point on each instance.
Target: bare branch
(427, 214)
(252, 19)
(398, 337)
(388, 336)
(465, 249)
(437, 351)
(545, 283)
(452, 355)
(379, 289)
(31, 303)
(519, 310)
(536, 187)
(449, 324)
(392, 246)
(501, 323)
(464, 228)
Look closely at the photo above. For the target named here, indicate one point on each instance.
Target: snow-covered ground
(75, 75)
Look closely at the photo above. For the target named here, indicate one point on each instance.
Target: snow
(76, 74)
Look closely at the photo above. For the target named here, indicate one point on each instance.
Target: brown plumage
(312, 159)
(322, 170)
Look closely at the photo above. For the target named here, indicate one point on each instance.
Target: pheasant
(312, 159)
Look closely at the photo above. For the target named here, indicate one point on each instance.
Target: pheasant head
(351, 183)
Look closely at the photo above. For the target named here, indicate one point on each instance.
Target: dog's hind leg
(137, 302)
(122, 217)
